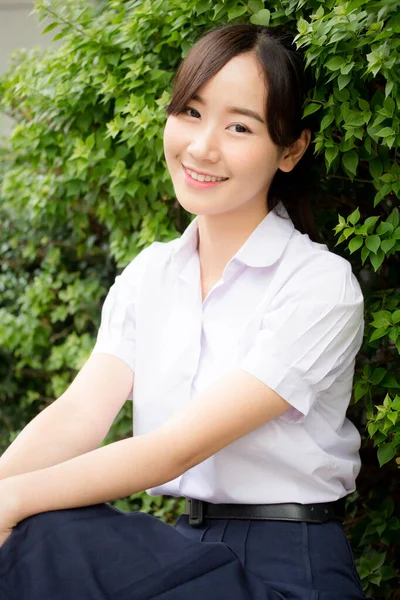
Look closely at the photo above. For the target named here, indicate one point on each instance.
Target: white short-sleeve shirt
(286, 310)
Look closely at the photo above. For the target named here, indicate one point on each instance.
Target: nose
(204, 145)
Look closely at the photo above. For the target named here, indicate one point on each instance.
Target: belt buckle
(195, 512)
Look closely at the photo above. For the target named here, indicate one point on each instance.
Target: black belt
(310, 513)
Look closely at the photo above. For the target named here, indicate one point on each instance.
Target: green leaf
(382, 318)
(339, 35)
(384, 227)
(372, 429)
(363, 104)
(377, 259)
(254, 5)
(379, 437)
(236, 12)
(360, 389)
(377, 560)
(388, 88)
(365, 252)
(62, 33)
(375, 168)
(302, 26)
(396, 406)
(384, 190)
(386, 132)
(319, 13)
(390, 381)
(396, 316)
(326, 121)
(263, 17)
(375, 578)
(394, 218)
(355, 244)
(335, 63)
(389, 106)
(347, 68)
(350, 161)
(387, 245)
(377, 375)
(341, 239)
(385, 453)
(378, 333)
(387, 402)
(348, 232)
(387, 178)
(343, 80)
(354, 217)
(367, 370)
(90, 141)
(202, 7)
(341, 95)
(370, 222)
(311, 108)
(50, 27)
(330, 154)
(373, 242)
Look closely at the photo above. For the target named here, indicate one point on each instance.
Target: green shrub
(85, 188)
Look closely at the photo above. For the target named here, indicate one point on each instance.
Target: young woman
(237, 343)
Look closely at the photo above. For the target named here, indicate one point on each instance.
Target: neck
(221, 236)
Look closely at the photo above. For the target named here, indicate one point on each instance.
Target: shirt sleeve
(117, 332)
(308, 340)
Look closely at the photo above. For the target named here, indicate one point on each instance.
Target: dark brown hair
(284, 75)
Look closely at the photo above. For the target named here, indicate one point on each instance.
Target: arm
(75, 423)
(226, 411)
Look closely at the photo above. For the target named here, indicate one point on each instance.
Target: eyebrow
(236, 110)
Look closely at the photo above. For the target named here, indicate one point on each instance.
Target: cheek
(254, 162)
(168, 140)
(246, 161)
(173, 138)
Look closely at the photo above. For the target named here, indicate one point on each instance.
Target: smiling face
(222, 133)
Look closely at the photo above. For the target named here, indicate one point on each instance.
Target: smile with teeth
(199, 177)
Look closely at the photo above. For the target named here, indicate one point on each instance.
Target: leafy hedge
(85, 188)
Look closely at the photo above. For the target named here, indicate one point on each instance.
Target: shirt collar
(263, 247)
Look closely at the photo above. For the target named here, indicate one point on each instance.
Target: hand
(8, 509)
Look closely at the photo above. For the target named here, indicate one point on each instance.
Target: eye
(188, 110)
(242, 128)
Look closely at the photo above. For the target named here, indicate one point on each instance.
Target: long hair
(283, 70)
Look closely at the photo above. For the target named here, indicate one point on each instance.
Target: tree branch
(65, 21)
(348, 178)
(248, 7)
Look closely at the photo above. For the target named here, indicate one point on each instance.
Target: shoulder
(153, 257)
(311, 270)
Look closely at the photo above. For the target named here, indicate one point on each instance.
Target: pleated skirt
(101, 553)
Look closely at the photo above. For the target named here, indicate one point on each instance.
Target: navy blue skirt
(101, 553)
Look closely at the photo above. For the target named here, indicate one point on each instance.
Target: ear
(292, 154)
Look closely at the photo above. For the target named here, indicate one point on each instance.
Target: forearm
(223, 413)
(102, 475)
(57, 434)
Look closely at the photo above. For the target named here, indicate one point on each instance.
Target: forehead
(240, 79)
